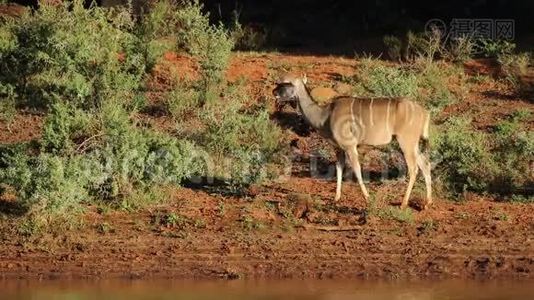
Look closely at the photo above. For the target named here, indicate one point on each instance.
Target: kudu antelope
(348, 122)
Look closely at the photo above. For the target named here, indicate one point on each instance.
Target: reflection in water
(265, 290)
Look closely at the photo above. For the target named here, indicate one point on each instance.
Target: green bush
(210, 44)
(232, 129)
(86, 68)
(7, 103)
(182, 100)
(495, 48)
(463, 158)
(247, 37)
(189, 28)
(241, 142)
(144, 160)
(44, 182)
(71, 54)
(434, 81)
(433, 45)
(7, 90)
(513, 67)
(374, 78)
(459, 49)
(156, 31)
(427, 83)
(124, 160)
(429, 46)
(513, 64)
(63, 125)
(214, 56)
(131, 157)
(499, 162)
(513, 152)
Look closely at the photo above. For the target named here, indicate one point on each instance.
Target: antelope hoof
(427, 206)
(404, 206)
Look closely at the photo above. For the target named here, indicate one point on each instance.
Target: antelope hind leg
(353, 157)
(411, 153)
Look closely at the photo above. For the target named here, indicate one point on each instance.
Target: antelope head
(288, 90)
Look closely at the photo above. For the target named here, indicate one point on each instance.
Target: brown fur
(349, 122)
(323, 95)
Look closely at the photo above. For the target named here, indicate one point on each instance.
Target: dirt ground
(289, 228)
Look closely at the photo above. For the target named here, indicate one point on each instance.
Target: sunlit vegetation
(88, 71)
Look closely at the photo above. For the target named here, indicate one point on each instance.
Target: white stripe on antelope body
(349, 122)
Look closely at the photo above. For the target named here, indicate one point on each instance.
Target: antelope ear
(304, 78)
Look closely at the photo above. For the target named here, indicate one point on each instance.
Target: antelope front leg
(340, 163)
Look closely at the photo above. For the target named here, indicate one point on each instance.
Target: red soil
(254, 237)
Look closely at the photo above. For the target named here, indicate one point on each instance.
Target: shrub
(44, 182)
(513, 152)
(514, 64)
(495, 48)
(397, 214)
(7, 90)
(68, 53)
(428, 83)
(155, 31)
(7, 103)
(182, 100)
(514, 67)
(430, 46)
(125, 160)
(459, 49)
(464, 160)
(247, 37)
(377, 79)
(189, 28)
(192, 24)
(499, 162)
(132, 157)
(215, 54)
(211, 45)
(426, 45)
(241, 142)
(63, 125)
(434, 81)
(87, 68)
(238, 130)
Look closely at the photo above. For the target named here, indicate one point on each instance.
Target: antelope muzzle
(284, 92)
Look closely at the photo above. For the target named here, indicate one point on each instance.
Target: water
(265, 290)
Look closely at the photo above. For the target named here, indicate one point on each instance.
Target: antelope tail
(425, 135)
